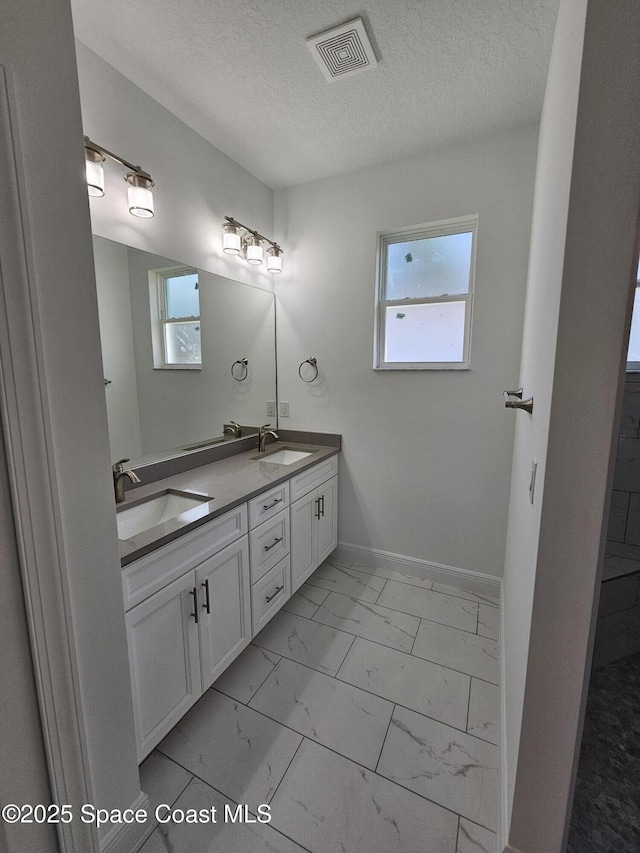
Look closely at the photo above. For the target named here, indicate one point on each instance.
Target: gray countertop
(228, 482)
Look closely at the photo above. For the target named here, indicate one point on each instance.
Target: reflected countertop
(228, 483)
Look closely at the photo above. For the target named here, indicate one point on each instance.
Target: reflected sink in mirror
(155, 510)
(285, 456)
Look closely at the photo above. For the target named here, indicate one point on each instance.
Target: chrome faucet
(262, 437)
(119, 475)
(233, 429)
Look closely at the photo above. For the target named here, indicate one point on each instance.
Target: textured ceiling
(240, 74)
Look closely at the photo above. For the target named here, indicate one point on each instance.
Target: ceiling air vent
(343, 51)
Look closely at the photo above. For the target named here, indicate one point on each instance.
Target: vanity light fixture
(140, 182)
(238, 239)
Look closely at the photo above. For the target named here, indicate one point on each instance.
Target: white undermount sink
(284, 456)
(156, 510)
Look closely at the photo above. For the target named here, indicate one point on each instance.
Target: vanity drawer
(268, 544)
(303, 483)
(270, 593)
(158, 568)
(268, 504)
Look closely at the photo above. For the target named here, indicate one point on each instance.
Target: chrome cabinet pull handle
(268, 506)
(318, 508)
(269, 547)
(322, 510)
(207, 603)
(271, 597)
(194, 593)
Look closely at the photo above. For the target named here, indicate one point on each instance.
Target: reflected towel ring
(243, 362)
(314, 364)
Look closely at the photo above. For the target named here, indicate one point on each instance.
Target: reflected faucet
(119, 475)
(262, 437)
(233, 429)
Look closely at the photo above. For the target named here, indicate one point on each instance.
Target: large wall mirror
(174, 379)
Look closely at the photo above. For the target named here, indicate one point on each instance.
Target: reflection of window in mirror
(175, 316)
(633, 353)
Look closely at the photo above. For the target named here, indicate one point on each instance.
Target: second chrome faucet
(263, 434)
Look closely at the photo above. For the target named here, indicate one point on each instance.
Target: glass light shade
(95, 172)
(274, 260)
(230, 239)
(255, 252)
(140, 195)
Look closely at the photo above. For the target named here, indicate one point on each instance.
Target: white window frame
(443, 228)
(158, 305)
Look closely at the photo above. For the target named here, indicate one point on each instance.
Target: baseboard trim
(477, 582)
(125, 837)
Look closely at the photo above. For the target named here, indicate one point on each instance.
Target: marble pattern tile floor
(365, 716)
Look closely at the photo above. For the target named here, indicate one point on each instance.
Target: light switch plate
(284, 409)
(271, 408)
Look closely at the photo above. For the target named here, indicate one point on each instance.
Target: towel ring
(314, 363)
(243, 362)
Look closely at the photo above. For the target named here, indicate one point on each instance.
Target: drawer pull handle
(194, 593)
(271, 597)
(318, 508)
(269, 506)
(269, 547)
(321, 509)
(207, 602)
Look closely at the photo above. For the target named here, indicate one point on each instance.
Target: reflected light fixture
(240, 240)
(140, 182)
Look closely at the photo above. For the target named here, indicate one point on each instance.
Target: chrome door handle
(517, 393)
(527, 405)
(207, 602)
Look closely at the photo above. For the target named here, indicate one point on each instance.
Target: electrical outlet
(532, 483)
(271, 408)
(284, 409)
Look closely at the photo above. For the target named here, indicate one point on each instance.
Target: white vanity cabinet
(269, 549)
(194, 604)
(164, 658)
(193, 618)
(314, 519)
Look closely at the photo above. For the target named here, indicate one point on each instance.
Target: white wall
(196, 185)
(116, 336)
(426, 456)
(581, 279)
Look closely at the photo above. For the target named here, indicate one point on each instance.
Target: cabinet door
(224, 609)
(327, 524)
(303, 534)
(162, 636)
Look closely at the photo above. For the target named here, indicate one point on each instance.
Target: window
(633, 353)
(177, 321)
(424, 296)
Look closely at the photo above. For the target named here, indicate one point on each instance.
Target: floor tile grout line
(394, 610)
(302, 740)
(384, 739)
(345, 758)
(263, 684)
(395, 648)
(228, 798)
(469, 707)
(336, 677)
